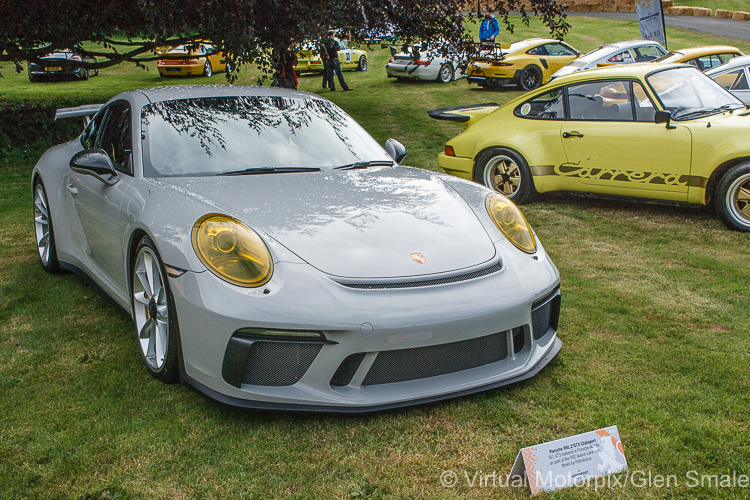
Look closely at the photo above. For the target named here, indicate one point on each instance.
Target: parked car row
(665, 132)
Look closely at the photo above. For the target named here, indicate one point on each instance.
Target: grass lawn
(743, 5)
(654, 328)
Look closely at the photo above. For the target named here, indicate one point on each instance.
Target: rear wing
(86, 111)
(464, 114)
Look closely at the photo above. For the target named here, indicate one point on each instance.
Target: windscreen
(211, 136)
(688, 93)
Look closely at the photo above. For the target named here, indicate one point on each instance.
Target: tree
(256, 32)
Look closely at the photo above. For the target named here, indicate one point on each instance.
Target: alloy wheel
(150, 308)
(41, 224)
(502, 174)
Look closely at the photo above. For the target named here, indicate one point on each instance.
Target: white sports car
(272, 255)
(424, 62)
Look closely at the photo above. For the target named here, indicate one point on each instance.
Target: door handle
(72, 189)
(566, 135)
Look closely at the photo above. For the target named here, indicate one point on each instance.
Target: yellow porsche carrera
(703, 58)
(308, 58)
(663, 132)
(527, 64)
(200, 58)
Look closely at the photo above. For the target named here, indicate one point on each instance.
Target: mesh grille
(278, 363)
(422, 362)
(413, 284)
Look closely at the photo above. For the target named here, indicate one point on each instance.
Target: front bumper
(359, 325)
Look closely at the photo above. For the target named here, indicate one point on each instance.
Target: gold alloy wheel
(502, 174)
(739, 202)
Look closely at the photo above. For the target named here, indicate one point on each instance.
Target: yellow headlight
(509, 219)
(232, 251)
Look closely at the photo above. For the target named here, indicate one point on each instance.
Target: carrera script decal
(607, 174)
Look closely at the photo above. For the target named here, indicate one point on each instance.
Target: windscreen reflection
(211, 136)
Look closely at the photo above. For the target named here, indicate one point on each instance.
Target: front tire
(45, 235)
(445, 75)
(505, 171)
(530, 78)
(733, 198)
(154, 314)
(207, 69)
(362, 65)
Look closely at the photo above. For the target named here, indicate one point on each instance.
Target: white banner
(651, 20)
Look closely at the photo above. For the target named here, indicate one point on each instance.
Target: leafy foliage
(248, 30)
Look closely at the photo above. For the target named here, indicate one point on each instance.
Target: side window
(116, 137)
(342, 45)
(548, 106)
(734, 80)
(727, 57)
(622, 57)
(88, 138)
(600, 101)
(538, 51)
(644, 107)
(647, 53)
(706, 62)
(558, 49)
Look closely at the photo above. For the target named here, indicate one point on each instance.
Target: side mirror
(95, 162)
(395, 150)
(663, 116)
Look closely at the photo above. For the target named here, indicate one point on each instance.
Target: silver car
(633, 51)
(734, 76)
(425, 62)
(272, 255)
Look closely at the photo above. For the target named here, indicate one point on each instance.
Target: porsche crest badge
(418, 258)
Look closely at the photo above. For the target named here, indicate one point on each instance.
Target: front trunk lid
(373, 223)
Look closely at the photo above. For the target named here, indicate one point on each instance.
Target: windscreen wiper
(708, 111)
(365, 164)
(270, 170)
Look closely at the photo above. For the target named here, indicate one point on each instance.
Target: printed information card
(567, 461)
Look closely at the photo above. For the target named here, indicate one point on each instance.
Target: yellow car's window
(644, 107)
(734, 80)
(647, 53)
(600, 101)
(558, 49)
(547, 106)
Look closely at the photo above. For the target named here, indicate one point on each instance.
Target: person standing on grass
(327, 75)
(488, 28)
(333, 63)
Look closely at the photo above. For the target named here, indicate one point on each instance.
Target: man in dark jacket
(488, 28)
(332, 45)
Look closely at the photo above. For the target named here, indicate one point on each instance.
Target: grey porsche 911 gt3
(272, 255)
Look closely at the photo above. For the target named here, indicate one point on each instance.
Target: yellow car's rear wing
(464, 114)
(86, 111)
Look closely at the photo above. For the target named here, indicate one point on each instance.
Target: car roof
(527, 43)
(702, 51)
(638, 70)
(169, 93)
(604, 50)
(735, 62)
